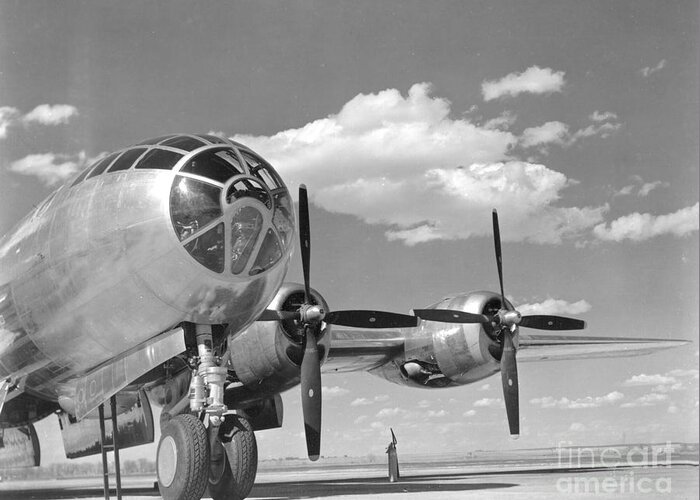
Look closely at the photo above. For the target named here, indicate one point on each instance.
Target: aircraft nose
(231, 212)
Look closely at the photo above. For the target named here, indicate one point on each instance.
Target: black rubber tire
(236, 479)
(188, 436)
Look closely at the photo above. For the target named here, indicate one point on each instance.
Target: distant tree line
(74, 469)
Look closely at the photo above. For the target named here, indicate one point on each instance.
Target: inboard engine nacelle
(267, 355)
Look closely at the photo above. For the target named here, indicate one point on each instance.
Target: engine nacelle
(267, 355)
(447, 354)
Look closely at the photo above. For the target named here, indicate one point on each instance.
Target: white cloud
(577, 404)
(534, 80)
(639, 227)
(361, 402)
(488, 402)
(642, 188)
(485, 387)
(555, 306)
(650, 399)
(469, 413)
(577, 427)
(436, 413)
(548, 133)
(648, 71)
(333, 392)
(360, 419)
(402, 162)
(502, 122)
(50, 168)
(601, 116)
(47, 114)
(643, 379)
(392, 412)
(672, 408)
(8, 115)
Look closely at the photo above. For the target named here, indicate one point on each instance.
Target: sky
(409, 122)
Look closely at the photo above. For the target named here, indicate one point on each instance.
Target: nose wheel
(182, 460)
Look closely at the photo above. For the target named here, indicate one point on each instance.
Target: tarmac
(676, 482)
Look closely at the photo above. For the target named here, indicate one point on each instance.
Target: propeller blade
(393, 437)
(499, 258)
(311, 395)
(545, 322)
(509, 379)
(449, 316)
(305, 239)
(272, 315)
(371, 319)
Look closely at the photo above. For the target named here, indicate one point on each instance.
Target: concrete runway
(674, 482)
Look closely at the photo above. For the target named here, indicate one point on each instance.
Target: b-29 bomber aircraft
(157, 275)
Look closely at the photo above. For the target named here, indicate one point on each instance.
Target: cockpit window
(127, 159)
(283, 218)
(259, 168)
(160, 159)
(218, 165)
(248, 187)
(269, 254)
(154, 140)
(208, 249)
(193, 204)
(212, 138)
(102, 165)
(183, 142)
(245, 228)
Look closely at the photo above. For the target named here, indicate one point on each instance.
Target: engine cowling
(447, 354)
(267, 355)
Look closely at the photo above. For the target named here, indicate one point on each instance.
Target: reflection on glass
(183, 142)
(127, 159)
(218, 165)
(161, 159)
(269, 254)
(260, 169)
(245, 228)
(208, 249)
(283, 218)
(193, 204)
(250, 188)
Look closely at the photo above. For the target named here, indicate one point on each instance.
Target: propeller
(311, 317)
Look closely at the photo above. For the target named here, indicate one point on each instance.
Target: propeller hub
(312, 313)
(509, 318)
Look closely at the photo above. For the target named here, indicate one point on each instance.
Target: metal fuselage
(105, 263)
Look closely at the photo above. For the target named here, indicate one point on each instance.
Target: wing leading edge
(561, 347)
(358, 350)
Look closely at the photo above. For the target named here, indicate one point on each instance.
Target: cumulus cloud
(47, 114)
(555, 306)
(503, 122)
(534, 80)
(648, 70)
(469, 413)
(548, 133)
(577, 404)
(640, 188)
(640, 227)
(403, 162)
(650, 399)
(488, 402)
(8, 116)
(361, 402)
(601, 116)
(333, 392)
(50, 168)
(392, 412)
(643, 379)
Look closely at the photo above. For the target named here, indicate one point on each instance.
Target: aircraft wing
(542, 347)
(356, 350)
